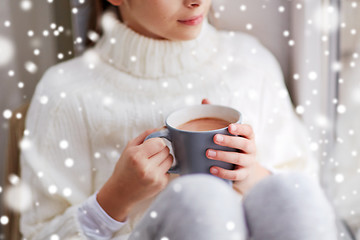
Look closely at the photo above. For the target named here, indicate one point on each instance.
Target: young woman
(93, 176)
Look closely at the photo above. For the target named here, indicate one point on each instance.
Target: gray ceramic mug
(190, 147)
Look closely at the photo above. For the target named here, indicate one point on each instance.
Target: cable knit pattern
(88, 108)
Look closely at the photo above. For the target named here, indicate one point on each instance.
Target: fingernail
(219, 138)
(232, 127)
(214, 171)
(211, 153)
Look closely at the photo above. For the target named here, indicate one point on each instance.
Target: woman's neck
(146, 57)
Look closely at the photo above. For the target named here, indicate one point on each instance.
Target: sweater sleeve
(283, 141)
(56, 162)
(95, 222)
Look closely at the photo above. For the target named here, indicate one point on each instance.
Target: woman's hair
(98, 7)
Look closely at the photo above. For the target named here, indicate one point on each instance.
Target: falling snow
(249, 26)
(312, 75)
(230, 225)
(11, 73)
(26, 5)
(52, 189)
(44, 99)
(107, 101)
(341, 109)
(25, 144)
(153, 214)
(97, 155)
(69, 162)
(67, 192)
(300, 109)
(18, 197)
(133, 58)
(63, 95)
(314, 146)
(64, 144)
(7, 114)
(45, 33)
(339, 178)
(165, 84)
(31, 67)
(54, 237)
(7, 23)
(325, 19)
(14, 179)
(93, 36)
(4, 220)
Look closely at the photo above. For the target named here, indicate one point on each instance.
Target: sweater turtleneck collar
(145, 57)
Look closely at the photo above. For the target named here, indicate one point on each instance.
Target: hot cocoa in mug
(191, 131)
(204, 124)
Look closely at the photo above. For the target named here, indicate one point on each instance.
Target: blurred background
(317, 43)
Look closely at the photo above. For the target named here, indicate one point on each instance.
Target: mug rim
(239, 118)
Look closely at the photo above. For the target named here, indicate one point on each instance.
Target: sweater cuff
(95, 222)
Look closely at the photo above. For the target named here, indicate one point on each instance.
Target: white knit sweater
(85, 110)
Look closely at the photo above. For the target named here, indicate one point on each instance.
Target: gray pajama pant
(203, 207)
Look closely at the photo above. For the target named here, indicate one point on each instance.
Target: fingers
(233, 175)
(244, 130)
(205, 101)
(241, 143)
(152, 146)
(166, 164)
(236, 158)
(159, 157)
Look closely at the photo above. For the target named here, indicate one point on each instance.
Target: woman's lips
(192, 21)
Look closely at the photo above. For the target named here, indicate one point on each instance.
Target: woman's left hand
(247, 170)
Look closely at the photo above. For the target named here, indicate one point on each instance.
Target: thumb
(140, 139)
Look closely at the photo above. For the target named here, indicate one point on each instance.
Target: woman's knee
(200, 185)
(292, 201)
(196, 206)
(199, 193)
(194, 181)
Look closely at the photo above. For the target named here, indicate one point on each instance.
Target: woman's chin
(191, 34)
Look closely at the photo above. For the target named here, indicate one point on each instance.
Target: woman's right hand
(140, 173)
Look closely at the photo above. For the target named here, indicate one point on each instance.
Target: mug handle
(164, 133)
